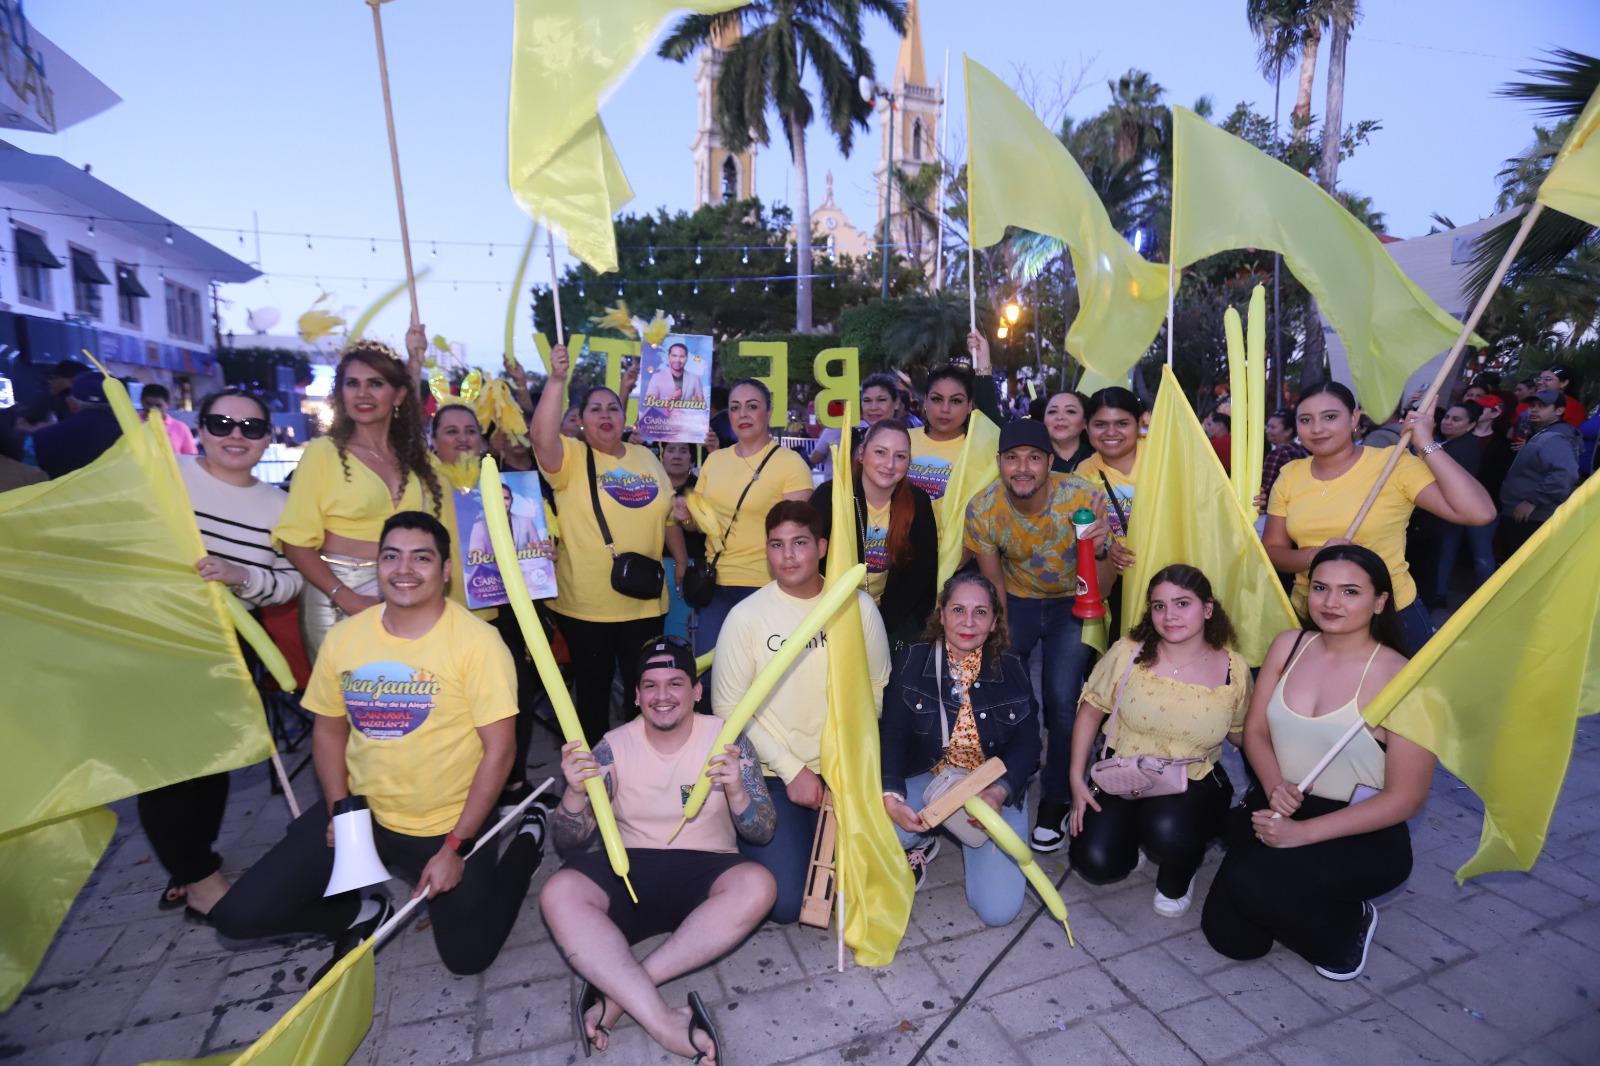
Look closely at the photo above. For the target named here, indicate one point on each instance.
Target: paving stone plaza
(1503, 970)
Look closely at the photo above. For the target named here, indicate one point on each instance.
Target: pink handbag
(1137, 776)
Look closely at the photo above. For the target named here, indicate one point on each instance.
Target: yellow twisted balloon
(1013, 846)
(494, 514)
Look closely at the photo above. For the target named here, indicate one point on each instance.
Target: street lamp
(870, 92)
(1013, 312)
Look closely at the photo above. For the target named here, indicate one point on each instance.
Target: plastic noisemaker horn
(355, 856)
(1088, 604)
(494, 515)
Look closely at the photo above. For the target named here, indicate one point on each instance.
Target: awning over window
(84, 268)
(128, 283)
(32, 249)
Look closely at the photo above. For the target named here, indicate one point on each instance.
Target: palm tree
(1134, 113)
(1341, 17)
(781, 41)
(1284, 35)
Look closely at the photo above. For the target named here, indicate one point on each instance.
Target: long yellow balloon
(1244, 412)
(494, 515)
(767, 679)
(1255, 347)
(1013, 846)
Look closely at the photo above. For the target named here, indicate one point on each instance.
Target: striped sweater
(236, 525)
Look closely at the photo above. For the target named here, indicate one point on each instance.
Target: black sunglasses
(222, 425)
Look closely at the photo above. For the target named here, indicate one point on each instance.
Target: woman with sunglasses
(236, 514)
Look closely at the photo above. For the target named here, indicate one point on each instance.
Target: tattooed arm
(572, 823)
(738, 771)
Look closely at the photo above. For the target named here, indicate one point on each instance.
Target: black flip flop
(588, 996)
(700, 1018)
(168, 902)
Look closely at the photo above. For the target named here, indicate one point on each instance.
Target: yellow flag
(1226, 194)
(566, 55)
(42, 869)
(1020, 174)
(326, 1025)
(1187, 514)
(1496, 693)
(870, 869)
(973, 470)
(1573, 184)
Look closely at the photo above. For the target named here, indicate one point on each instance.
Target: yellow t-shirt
(1165, 717)
(324, 499)
(414, 708)
(1315, 511)
(1038, 553)
(1122, 486)
(931, 463)
(636, 498)
(787, 729)
(876, 538)
(723, 476)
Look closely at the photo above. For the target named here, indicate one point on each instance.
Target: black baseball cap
(667, 652)
(1024, 433)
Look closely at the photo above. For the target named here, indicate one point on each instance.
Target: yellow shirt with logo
(931, 463)
(414, 708)
(1315, 511)
(876, 539)
(636, 498)
(723, 476)
(1093, 469)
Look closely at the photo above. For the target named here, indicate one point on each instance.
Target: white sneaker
(919, 858)
(1168, 907)
(1366, 944)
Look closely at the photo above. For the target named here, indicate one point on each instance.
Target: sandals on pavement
(700, 1018)
(588, 996)
(175, 895)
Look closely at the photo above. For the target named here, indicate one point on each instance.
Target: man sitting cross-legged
(697, 887)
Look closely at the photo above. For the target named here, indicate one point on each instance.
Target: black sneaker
(1049, 832)
(919, 858)
(1358, 950)
(356, 935)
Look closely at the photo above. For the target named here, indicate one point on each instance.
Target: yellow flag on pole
(870, 866)
(1020, 174)
(1497, 692)
(1227, 194)
(1187, 514)
(566, 55)
(42, 869)
(1573, 184)
(973, 470)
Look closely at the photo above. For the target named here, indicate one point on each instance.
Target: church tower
(720, 176)
(912, 228)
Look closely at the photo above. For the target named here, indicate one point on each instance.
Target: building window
(730, 180)
(34, 263)
(129, 292)
(183, 313)
(916, 139)
(87, 277)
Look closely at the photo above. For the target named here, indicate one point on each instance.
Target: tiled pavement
(1505, 969)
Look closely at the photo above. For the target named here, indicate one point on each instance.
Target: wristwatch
(333, 593)
(452, 842)
(1430, 449)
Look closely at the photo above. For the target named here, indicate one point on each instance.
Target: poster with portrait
(675, 389)
(525, 508)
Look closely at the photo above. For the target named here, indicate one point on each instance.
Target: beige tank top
(651, 789)
(1300, 741)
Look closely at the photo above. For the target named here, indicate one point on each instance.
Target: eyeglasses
(222, 425)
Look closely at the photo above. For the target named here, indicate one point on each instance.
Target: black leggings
(282, 893)
(1308, 898)
(530, 689)
(1173, 829)
(182, 821)
(599, 650)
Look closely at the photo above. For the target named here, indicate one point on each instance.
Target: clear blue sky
(234, 108)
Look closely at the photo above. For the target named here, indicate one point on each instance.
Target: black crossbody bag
(632, 574)
(700, 584)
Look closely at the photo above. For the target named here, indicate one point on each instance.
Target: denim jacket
(1003, 705)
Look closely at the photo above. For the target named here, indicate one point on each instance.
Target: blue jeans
(1049, 624)
(995, 884)
(1416, 626)
(1480, 545)
(709, 619)
(787, 856)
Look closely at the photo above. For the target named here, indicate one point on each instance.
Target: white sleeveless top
(1300, 741)
(651, 789)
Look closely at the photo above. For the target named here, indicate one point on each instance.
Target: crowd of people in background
(425, 710)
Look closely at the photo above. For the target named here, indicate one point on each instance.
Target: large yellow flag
(1573, 184)
(1187, 514)
(1496, 693)
(974, 468)
(326, 1025)
(1226, 194)
(42, 869)
(566, 54)
(1020, 174)
(870, 870)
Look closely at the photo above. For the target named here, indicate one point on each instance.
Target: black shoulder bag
(632, 574)
(700, 584)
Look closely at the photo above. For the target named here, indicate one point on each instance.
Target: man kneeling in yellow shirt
(432, 694)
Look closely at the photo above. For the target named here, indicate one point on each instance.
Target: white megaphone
(355, 857)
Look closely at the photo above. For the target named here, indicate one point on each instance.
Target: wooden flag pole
(555, 289)
(972, 274)
(1449, 362)
(284, 783)
(394, 159)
